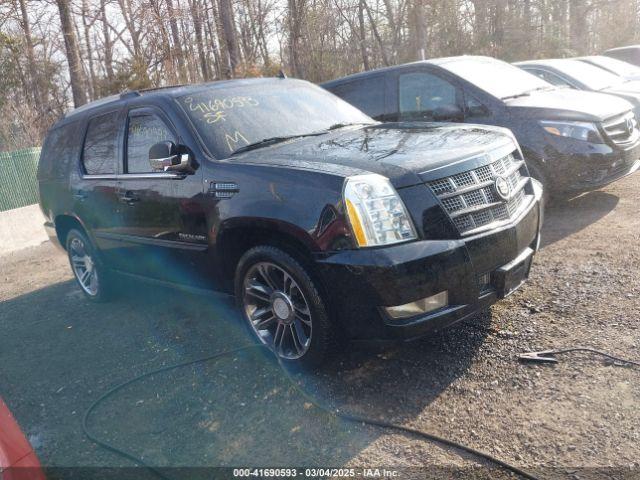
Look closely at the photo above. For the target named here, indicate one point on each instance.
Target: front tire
(91, 276)
(282, 306)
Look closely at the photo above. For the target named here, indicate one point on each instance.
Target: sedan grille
(472, 199)
(622, 129)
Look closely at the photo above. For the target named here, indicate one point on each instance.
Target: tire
(278, 298)
(84, 260)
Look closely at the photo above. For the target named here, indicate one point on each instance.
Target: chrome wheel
(277, 310)
(84, 266)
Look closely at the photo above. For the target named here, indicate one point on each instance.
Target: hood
(629, 91)
(569, 104)
(399, 151)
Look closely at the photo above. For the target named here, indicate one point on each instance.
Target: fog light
(418, 307)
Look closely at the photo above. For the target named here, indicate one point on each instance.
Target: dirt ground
(575, 419)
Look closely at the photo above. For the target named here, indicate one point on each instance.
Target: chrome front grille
(471, 198)
(622, 129)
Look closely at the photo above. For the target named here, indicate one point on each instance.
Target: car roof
(173, 91)
(549, 62)
(628, 47)
(431, 61)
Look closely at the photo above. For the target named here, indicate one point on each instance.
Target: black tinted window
(474, 107)
(367, 95)
(100, 154)
(421, 93)
(144, 131)
(61, 149)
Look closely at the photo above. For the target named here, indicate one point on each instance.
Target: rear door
(94, 191)
(163, 235)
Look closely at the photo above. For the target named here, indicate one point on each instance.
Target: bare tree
(73, 54)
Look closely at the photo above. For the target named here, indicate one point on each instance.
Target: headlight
(579, 130)
(376, 212)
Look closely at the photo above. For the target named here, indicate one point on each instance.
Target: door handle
(80, 195)
(129, 198)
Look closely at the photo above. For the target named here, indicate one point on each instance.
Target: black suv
(573, 141)
(324, 223)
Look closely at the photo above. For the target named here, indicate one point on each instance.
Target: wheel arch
(64, 223)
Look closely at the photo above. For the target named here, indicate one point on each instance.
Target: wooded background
(55, 54)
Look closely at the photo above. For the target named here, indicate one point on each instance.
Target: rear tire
(282, 307)
(92, 277)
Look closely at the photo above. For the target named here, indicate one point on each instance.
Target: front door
(163, 227)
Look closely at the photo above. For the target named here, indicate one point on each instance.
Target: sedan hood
(399, 151)
(630, 95)
(568, 104)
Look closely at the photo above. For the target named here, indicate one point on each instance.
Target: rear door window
(144, 131)
(421, 93)
(366, 94)
(100, 154)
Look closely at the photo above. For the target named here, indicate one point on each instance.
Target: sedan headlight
(376, 212)
(579, 130)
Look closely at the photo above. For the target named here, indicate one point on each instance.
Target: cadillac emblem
(503, 188)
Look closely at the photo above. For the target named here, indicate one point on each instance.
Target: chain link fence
(18, 184)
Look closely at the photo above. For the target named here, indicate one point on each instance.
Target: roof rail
(129, 94)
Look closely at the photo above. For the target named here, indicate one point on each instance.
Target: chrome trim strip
(150, 176)
(517, 216)
(100, 177)
(152, 241)
(475, 209)
(462, 191)
(137, 176)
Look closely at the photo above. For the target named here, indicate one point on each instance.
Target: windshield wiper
(517, 95)
(265, 142)
(335, 126)
(528, 92)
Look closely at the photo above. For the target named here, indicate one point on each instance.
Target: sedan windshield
(230, 119)
(496, 78)
(595, 78)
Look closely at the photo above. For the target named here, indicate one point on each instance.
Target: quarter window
(420, 94)
(144, 131)
(100, 154)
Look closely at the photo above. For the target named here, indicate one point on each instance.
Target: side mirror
(448, 113)
(165, 157)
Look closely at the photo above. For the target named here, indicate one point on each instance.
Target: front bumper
(361, 282)
(583, 166)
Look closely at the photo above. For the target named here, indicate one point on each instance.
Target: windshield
(228, 119)
(495, 77)
(595, 78)
(618, 67)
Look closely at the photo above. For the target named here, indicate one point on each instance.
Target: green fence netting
(18, 184)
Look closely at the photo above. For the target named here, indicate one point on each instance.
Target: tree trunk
(578, 26)
(106, 38)
(76, 75)
(363, 36)
(175, 36)
(418, 33)
(296, 9)
(35, 81)
(196, 9)
(229, 34)
(87, 40)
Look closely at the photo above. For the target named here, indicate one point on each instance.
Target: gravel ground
(575, 419)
